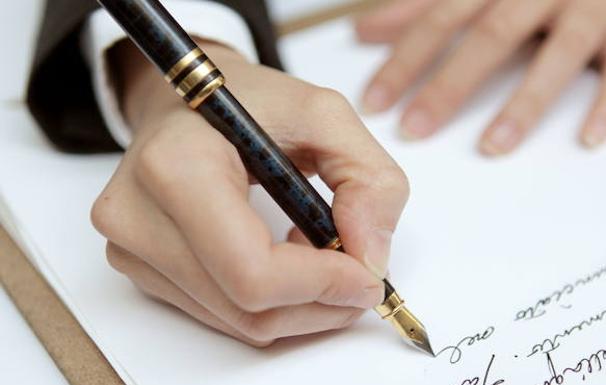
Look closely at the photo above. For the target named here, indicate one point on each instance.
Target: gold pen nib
(409, 327)
(423, 342)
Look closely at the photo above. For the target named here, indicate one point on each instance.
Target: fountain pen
(202, 85)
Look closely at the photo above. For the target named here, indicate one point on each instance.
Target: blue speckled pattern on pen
(274, 171)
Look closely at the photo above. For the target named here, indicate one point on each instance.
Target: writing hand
(492, 31)
(179, 224)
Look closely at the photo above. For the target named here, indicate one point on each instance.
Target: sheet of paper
(503, 260)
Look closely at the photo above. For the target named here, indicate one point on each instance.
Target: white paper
(480, 240)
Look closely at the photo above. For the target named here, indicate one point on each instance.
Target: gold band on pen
(195, 77)
(182, 64)
(335, 244)
(197, 83)
(206, 91)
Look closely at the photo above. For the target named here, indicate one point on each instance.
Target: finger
(126, 215)
(576, 38)
(209, 204)
(491, 40)
(388, 21)
(186, 277)
(257, 329)
(298, 320)
(414, 51)
(158, 286)
(129, 218)
(370, 188)
(593, 133)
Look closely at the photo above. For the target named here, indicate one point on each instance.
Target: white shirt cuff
(204, 19)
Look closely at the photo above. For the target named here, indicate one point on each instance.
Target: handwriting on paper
(586, 367)
(590, 366)
(456, 351)
(485, 378)
(540, 307)
(550, 344)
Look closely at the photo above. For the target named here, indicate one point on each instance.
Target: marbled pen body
(274, 171)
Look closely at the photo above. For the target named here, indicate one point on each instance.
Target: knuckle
(104, 213)
(150, 159)
(325, 100)
(394, 180)
(156, 158)
(159, 159)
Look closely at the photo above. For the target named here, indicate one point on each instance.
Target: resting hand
(493, 31)
(179, 224)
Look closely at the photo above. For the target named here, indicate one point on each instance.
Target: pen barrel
(152, 29)
(270, 166)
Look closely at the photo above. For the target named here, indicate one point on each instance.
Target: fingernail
(377, 252)
(376, 99)
(503, 138)
(595, 134)
(417, 124)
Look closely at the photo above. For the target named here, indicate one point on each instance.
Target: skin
(492, 31)
(179, 225)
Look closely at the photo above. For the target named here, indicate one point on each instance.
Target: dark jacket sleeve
(60, 94)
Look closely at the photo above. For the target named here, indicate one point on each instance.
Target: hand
(179, 225)
(494, 30)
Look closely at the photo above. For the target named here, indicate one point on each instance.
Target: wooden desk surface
(74, 353)
(23, 359)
